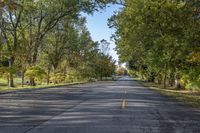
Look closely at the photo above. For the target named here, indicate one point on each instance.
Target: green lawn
(185, 96)
(17, 81)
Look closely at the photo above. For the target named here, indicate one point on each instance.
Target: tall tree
(158, 36)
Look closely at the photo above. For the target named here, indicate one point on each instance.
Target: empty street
(122, 106)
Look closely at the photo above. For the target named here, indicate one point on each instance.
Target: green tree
(35, 73)
(158, 36)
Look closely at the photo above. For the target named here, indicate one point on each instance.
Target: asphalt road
(104, 107)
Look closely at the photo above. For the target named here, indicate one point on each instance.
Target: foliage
(35, 72)
(160, 39)
(48, 39)
(104, 66)
(120, 71)
(57, 78)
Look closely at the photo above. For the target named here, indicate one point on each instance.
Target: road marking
(123, 103)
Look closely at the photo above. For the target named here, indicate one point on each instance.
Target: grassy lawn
(17, 81)
(185, 96)
(5, 88)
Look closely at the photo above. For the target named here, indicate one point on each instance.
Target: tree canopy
(48, 39)
(160, 40)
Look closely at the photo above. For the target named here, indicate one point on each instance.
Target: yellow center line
(123, 102)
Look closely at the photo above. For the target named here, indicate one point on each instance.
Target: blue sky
(97, 25)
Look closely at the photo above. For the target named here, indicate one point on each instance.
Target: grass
(185, 96)
(5, 88)
(17, 81)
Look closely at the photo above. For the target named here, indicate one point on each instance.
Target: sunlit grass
(187, 97)
(18, 86)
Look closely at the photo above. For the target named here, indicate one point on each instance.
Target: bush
(35, 72)
(57, 78)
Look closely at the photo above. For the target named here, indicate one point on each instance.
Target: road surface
(104, 107)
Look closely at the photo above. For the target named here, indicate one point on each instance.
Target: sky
(97, 25)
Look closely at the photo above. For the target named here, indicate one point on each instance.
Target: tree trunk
(32, 82)
(34, 58)
(159, 78)
(48, 75)
(22, 79)
(164, 80)
(11, 80)
(151, 78)
(171, 80)
(165, 77)
(7, 79)
(177, 80)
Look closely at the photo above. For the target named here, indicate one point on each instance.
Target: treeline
(47, 41)
(160, 40)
